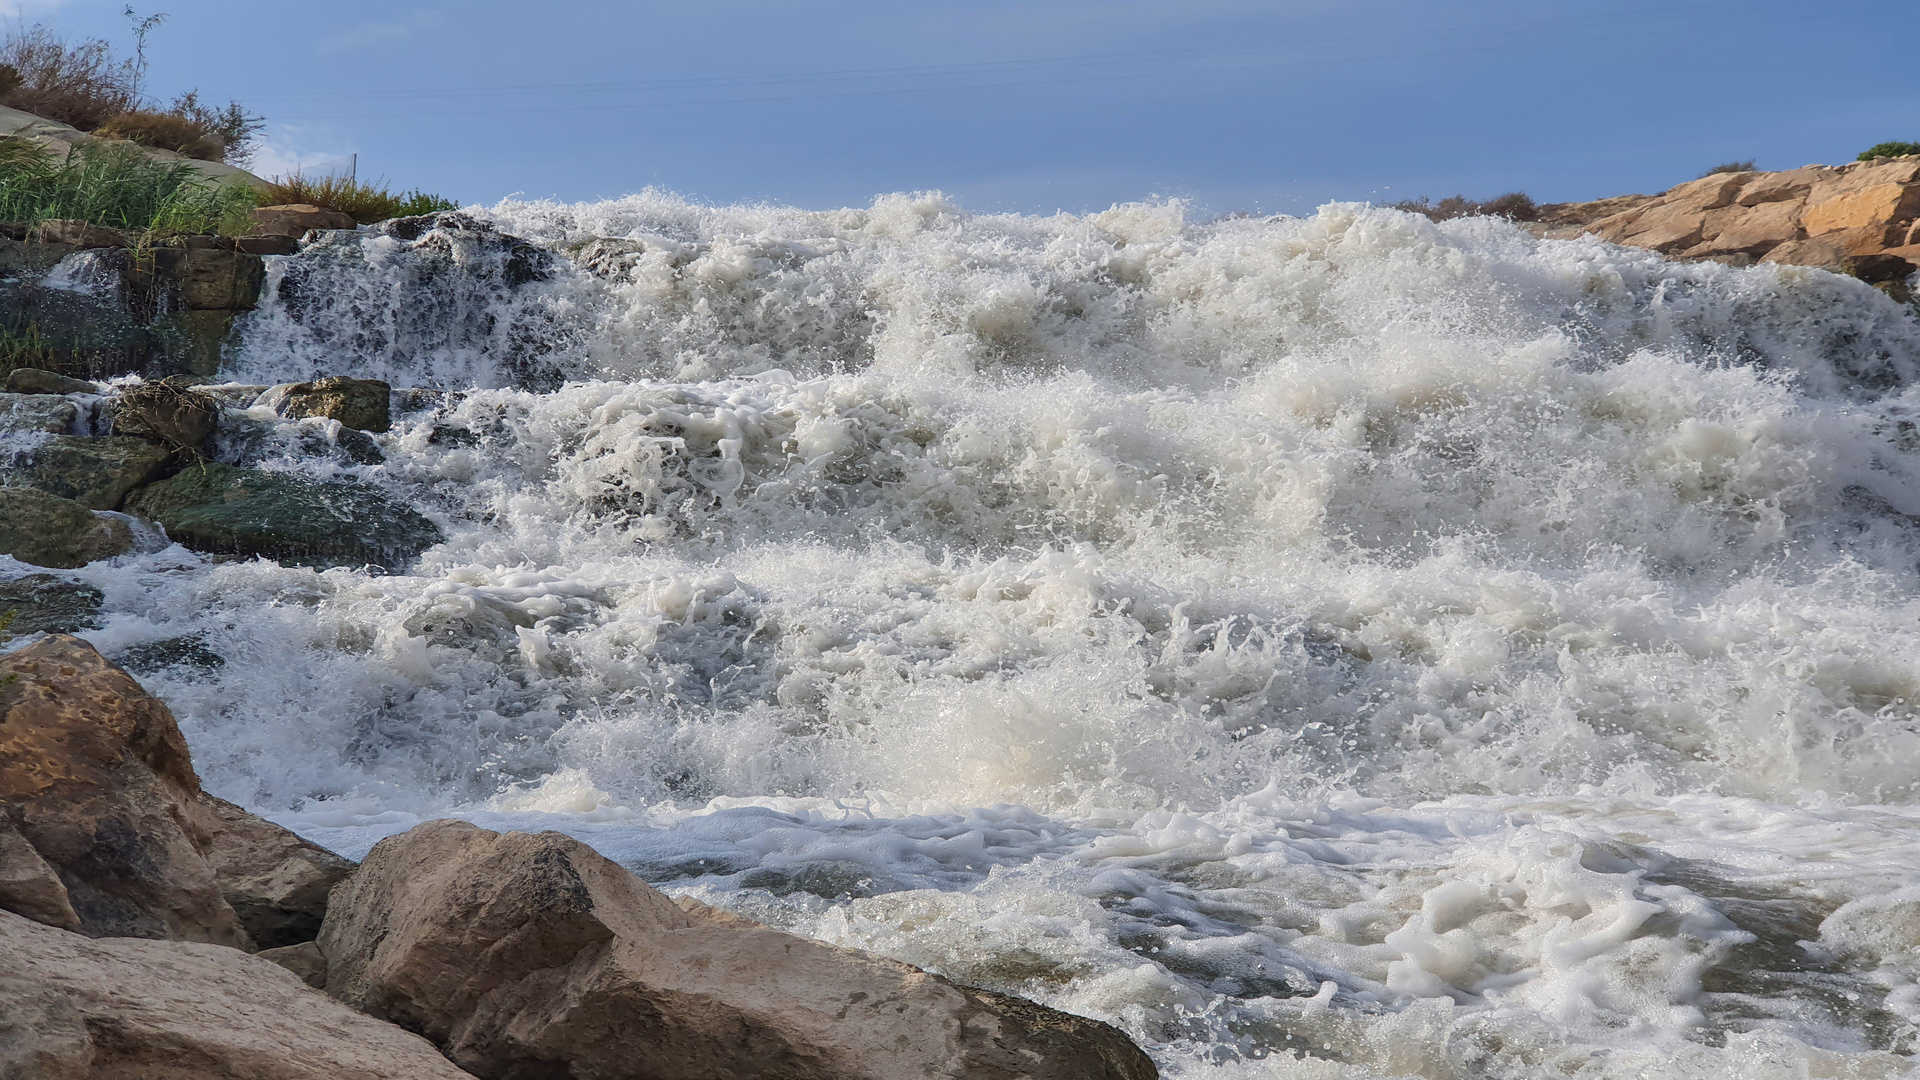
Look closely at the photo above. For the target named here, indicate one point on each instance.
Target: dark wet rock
(36, 381)
(608, 257)
(47, 530)
(250, 440)
(188, 651)
(363, 404)
(523, 955)
(76, 233)
(168, 412)
(294, 220)
(267, 245)
(75, 334)
(207, 276)
(38, 412)
(47, 604)
(229, 510)
(96, 472)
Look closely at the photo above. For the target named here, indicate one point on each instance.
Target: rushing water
(1344, 646)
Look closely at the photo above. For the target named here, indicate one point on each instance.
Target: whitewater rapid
(1340, 646)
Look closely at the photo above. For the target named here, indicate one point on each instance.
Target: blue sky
(1046, 104)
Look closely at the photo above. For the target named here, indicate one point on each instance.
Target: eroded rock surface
(47, 530)
(523, 955)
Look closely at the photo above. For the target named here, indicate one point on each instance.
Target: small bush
(165, 131)
(9, 79)
(366, 203)
(1514, 206)
(1889, 149)
(119, 187)
(1727, 167)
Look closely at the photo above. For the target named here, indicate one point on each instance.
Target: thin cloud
(379, 33)
(286, 151)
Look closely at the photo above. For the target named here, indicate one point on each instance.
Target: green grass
(119, 187)
(365, 203)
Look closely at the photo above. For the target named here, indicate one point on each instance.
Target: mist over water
(1342, 646)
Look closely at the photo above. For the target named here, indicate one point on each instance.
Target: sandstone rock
(1877, 208)
(1753, 230)
(28, 886)
(303, 960)
(276, 882)
(47, 530)
(94, 774)
(166, 412)
(95, 472)
(221, 508)
(523, 955)
(47, 604)
(1791, 185)
(37, 412)
(73, 1008)
(294, 219)
(79, 234)
(36, 381)
(357, 403)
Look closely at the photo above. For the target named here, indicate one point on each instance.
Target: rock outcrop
(224, 509)
(276, 882)
(523, 955)
(1861, 218)
(47, 530)
(297, 219)
(75, 1008)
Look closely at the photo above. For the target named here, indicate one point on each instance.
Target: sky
(1041, 105)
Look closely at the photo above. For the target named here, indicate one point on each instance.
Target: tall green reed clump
(119, 187)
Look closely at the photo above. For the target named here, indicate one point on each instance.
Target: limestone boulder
(276, 882)
(362, 404)
(94, 775)
(225, 509)
(95, 472)
(523, 955)
(295, 219)
(47, 530)
(76, 1008)
(38, 412)
(37, 381)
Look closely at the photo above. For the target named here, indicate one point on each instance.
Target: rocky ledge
(1861, 219)
(153, 930)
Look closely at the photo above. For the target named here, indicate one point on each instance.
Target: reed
(119, 187)
(365, 202)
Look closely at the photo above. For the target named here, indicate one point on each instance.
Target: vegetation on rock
(366, 203)
(1889, 149)
(1731, 167)
(119, 187)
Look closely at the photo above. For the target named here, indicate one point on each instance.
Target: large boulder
(94, 775)
(95, 472)
(363, 404)
(47, 530)
(225, 509)
(73, 1008)
(526, 955)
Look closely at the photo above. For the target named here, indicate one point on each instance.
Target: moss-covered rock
(48, 604)
(224, 509)
(356, 403)
(47, 530)
(97, 472)
(37, 412)
(28, 380)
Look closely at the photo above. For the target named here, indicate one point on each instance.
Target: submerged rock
(249, 440)
(523, 955)
(38, 412)
(72, 1008)
(47, 604)
(96, 472)
(47, 530)
(238, 511)
(357, 403)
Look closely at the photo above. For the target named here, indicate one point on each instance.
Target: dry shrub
(81, 84)
(165, 131)
(1514, 206)
(365, 203)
